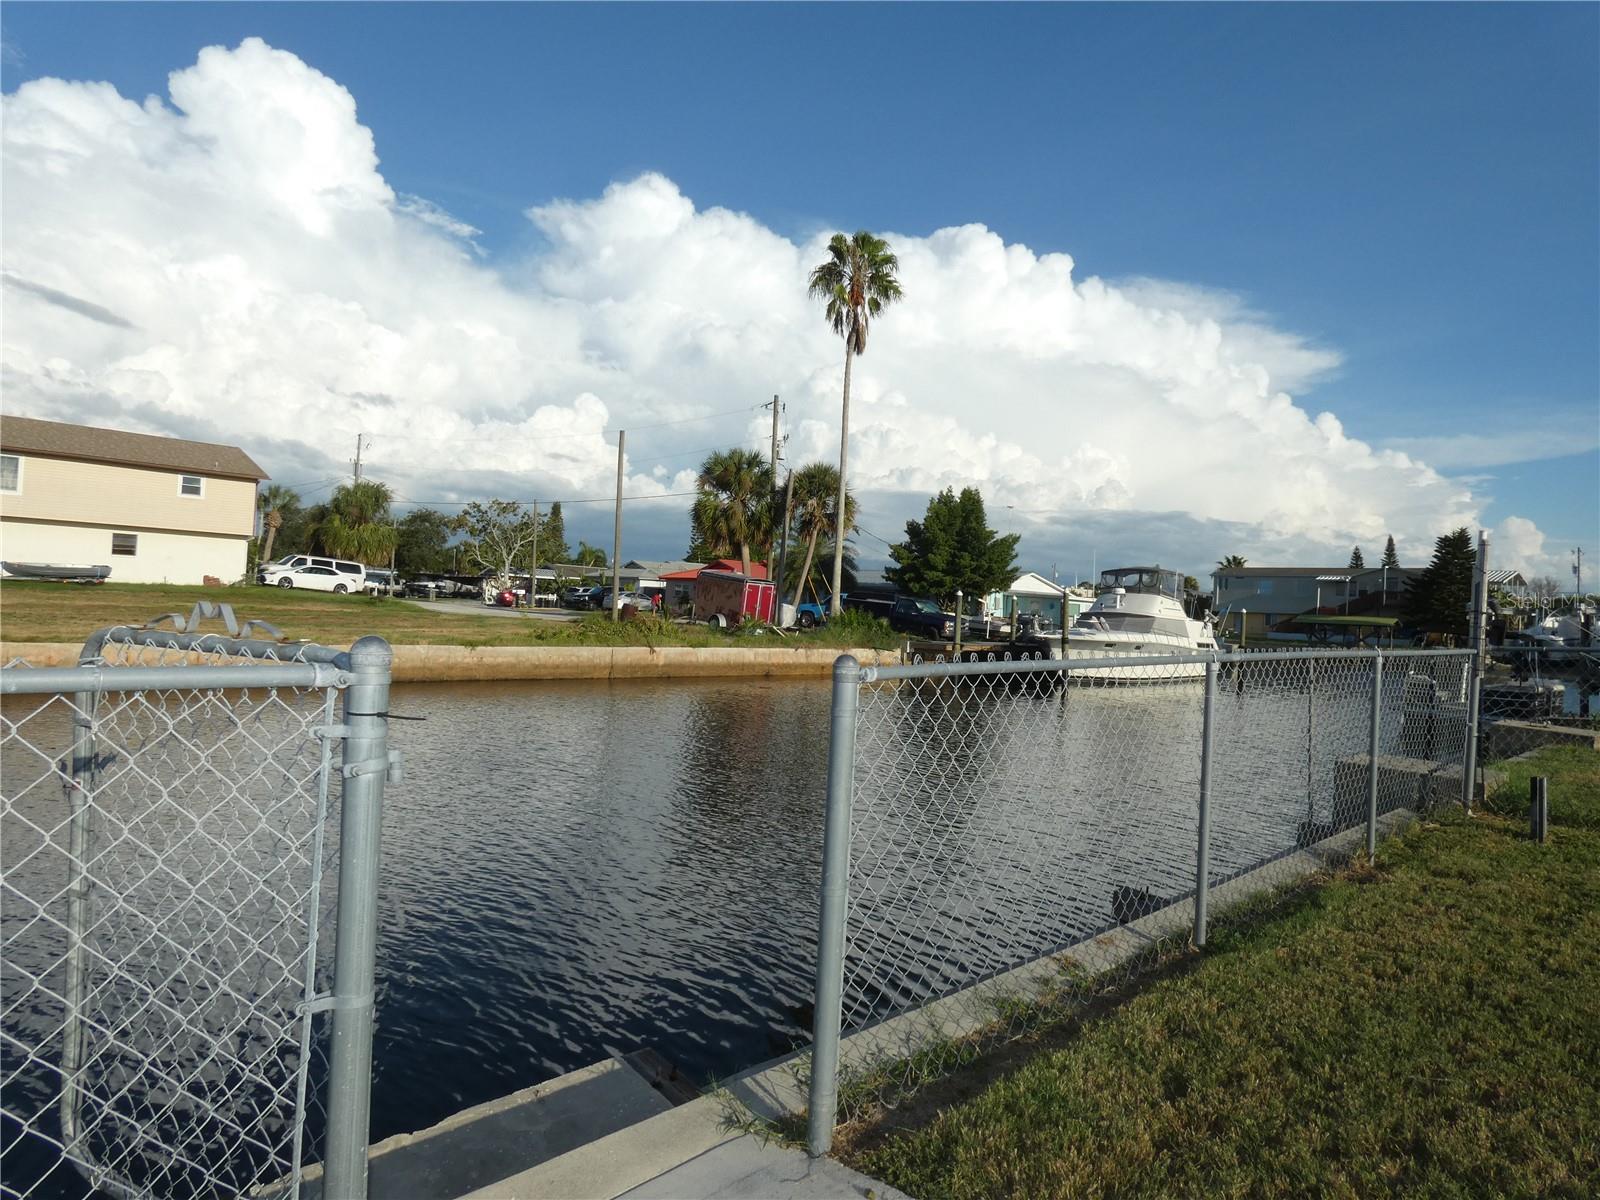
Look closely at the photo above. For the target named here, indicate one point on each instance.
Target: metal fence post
(1372, 772)
(366, 763)
(80, 803)
(1202, 858)
(835, 887)
(1469, 757)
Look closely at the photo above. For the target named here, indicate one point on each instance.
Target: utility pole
(533, 572)
(1577, 569)
(783, 548)
(772, 469)
(358, 457)
(616, 535)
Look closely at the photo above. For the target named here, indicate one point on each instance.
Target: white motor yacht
(1564, 628)
(1137, 613)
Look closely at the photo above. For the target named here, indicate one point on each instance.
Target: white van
(352, 574)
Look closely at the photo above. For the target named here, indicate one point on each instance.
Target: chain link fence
(169, 828)
(1007, 841)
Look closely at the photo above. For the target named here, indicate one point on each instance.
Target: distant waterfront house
(153, 509)
(1272, 595)
(679, 583)
(1032, 594)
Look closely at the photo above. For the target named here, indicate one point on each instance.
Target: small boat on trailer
(57, 572)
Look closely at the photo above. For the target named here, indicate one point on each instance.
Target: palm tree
(1232, 563)
(816, 493)
(734, 507)
(858, 282)
(358, 524)
(275, 503)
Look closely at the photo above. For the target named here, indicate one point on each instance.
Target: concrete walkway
(747, 1169)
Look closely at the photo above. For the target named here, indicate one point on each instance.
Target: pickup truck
(921, 618)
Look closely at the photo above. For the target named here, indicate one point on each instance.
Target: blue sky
(1416, 187)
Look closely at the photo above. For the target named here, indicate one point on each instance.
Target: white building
(153, 509)
(1032, 594)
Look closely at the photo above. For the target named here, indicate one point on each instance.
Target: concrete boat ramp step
(481, 1146)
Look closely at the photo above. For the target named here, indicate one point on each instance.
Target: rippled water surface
(575, 868)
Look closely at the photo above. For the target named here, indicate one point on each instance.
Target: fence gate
(170, 832)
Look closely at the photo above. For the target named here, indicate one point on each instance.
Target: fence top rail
(24, 680)
(1024, 666)
(213, 643)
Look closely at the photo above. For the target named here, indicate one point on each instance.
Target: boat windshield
(1152, 580)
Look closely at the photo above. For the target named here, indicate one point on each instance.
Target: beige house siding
(161, 556)
(95, 493)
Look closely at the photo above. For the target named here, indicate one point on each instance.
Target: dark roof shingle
(57, 439)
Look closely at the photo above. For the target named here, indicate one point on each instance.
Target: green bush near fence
(1427, 1027)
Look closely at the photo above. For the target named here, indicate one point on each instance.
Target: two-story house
(153, 509)
(1272, 595)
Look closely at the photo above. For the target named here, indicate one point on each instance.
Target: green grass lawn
(1576, 802)
(33, 611)
(1430, 1027)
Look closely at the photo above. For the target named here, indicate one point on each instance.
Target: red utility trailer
(733, 597)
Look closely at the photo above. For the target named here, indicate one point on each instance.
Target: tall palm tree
(816, 503)
(734, 507)
(358, 524)
(857, 281)
(275, 503)
(1232, 563)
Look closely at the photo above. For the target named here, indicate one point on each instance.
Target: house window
(10, 473)
(191, 485)
(125, 543)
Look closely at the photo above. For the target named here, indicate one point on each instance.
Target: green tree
(734, 507)
(1232, 563)
(816, 499)
(1357, 563)
(952, 548)
(1390, 558)
(589, 556)
(357, 523)
(1438, 598)
(276, 504)
(499, 535)
(553, 546)
(857, 282)
(423, 544)
(1191, 584)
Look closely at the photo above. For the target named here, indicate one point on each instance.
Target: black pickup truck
(921, 618)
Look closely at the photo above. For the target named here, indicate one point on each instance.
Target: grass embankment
(63, 612)
(1428, 1027)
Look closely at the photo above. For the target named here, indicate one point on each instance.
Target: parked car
(642, 601)
(577, 595)
(355, 575)
(809, 615)
(921, 618)
(316, 579)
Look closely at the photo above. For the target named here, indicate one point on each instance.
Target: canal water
(576, 868)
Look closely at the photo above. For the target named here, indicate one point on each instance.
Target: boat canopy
(1152, 580)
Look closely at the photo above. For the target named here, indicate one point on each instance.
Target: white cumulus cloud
(230, 263)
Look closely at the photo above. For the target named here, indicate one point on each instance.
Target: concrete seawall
(419, 664)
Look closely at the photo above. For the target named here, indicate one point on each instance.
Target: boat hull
(63, 573)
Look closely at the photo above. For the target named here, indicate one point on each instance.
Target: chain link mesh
(1020, 846)
(1535, 696)
(167, 859)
